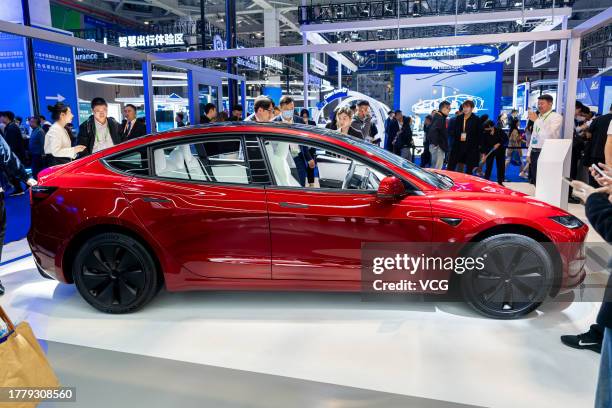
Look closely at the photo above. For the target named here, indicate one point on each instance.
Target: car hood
(471, 184)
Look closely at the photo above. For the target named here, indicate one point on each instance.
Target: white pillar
(571, 84)
(271, 28)
(560, 81)
(515, 78)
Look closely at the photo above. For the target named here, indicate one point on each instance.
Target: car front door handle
(155, 200)
(293, 205)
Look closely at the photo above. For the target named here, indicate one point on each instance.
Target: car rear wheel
(517, 276)
(115, 273)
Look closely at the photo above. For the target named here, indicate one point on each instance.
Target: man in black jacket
(13, 137)
(210, 113)
(10, 164)
(131, 127)
(466, 135)
(599, 131)
(437, 136)
(599, 212)
(99, 131)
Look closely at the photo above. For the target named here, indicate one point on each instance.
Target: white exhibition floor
(434, 350)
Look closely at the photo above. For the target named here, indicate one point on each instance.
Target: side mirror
(390, 189)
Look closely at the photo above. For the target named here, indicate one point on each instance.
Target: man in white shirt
(546, 125)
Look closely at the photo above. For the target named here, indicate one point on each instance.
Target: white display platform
(554, 164)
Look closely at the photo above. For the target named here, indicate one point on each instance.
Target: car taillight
(40, 193)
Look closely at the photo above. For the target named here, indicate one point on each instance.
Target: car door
(204, 202)
(317, 232)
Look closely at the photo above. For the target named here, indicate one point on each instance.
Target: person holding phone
(547, 124)
(598, 208)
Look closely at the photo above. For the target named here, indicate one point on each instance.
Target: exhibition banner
(55, 75)
(16, 94)
(419, 90)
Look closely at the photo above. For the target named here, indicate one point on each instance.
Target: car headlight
(568, 221)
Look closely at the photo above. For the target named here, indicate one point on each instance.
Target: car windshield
(429, 177)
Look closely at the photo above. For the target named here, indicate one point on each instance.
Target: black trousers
(499, 156)
(469, 159)
(37, 165)
(533, 166)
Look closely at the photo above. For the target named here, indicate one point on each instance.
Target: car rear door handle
(293, 205)
(155, 200)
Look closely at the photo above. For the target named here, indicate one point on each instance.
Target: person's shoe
(1, 289)
(590, 340)
(573, 200)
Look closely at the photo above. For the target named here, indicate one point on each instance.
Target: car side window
(134, 162)
(299, 164)
(214, 161)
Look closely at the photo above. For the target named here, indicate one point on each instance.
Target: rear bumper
(43, 249)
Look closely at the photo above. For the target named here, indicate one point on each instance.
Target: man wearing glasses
(264, 110)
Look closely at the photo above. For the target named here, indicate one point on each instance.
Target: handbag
(23, 362)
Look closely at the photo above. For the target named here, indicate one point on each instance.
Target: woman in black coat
(493, 146)
(404, 142)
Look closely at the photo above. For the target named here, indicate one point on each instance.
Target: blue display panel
(55, 76)
(419, 90)
(15, 95)
(273, 92)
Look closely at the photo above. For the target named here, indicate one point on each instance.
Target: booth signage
(151, 40)
(273, 63)
(318, 66)
(314, 80)
(543, 57)
(446, 52)
(55, 75)
(14, 73)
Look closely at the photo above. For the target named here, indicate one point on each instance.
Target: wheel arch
(82, 236)
(534, 234)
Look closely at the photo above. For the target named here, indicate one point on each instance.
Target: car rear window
(133, 162)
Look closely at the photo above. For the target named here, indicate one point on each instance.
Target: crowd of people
(467, 142)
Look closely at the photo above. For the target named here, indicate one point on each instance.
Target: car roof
(264, 126)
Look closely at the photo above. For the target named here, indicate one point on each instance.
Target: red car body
(213, 236)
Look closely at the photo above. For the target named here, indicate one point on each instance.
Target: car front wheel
(517, 276)
(115, 273)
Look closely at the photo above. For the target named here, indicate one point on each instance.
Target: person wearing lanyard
(9, 164)
(466, 137)
(99, 131)
(546, 125)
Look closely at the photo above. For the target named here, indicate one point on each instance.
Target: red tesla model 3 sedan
(223, 206)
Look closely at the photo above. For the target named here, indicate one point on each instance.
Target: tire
(115, 273)
(517, 277)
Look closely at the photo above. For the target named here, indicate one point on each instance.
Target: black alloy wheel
(517, 277)
(115, 273)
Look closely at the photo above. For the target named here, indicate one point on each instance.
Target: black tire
(115, 273)
(517, 277)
